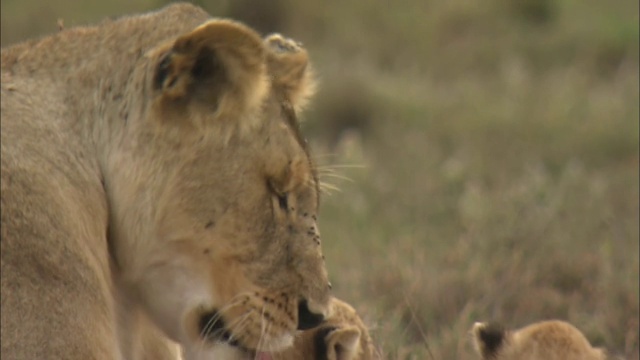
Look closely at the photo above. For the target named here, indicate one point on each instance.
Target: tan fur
(545, 340)
(350, 340)
(297, 76)
(153, 173)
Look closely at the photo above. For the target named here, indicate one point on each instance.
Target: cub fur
(545, 340)
(342, 336)
(156, 190)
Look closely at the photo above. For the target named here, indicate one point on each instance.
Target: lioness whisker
(219, 312)
(238, 325)
(328, 188)
(262, 331)
(337, 176)
(340, 166)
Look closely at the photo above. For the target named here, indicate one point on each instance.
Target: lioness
(156, 189)
(545, 340)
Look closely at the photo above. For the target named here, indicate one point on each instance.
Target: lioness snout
(306, 318)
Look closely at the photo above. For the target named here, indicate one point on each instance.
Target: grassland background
(491, 151)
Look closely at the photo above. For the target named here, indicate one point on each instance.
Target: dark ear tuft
(489, 338)
(343, 342)
(207, 64)
(320, 341)
(162, 71)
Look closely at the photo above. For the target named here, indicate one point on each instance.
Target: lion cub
(342, 336)
(545, 340)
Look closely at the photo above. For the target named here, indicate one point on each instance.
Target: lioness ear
(342, 343)
(221, 62)
(290, 70)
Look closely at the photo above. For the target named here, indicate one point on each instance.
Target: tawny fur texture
(156, 191)
(342, 336)
(545, 340)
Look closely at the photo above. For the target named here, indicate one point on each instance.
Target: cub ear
(488, 338)
(222, 63)
(290, 69)
(342, 343)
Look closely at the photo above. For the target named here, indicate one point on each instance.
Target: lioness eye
(282, 200)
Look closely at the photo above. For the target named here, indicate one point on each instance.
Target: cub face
(214, 218)
(342, 336)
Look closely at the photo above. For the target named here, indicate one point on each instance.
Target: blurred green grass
(491, 150)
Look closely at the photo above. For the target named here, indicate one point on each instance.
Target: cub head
(214, 195)
(543, 340)
(342, 336)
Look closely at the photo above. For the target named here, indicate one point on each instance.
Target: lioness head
(213, 193)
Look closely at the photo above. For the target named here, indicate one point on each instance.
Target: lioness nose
(307, 319)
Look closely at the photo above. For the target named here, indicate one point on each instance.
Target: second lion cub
(545, 340)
